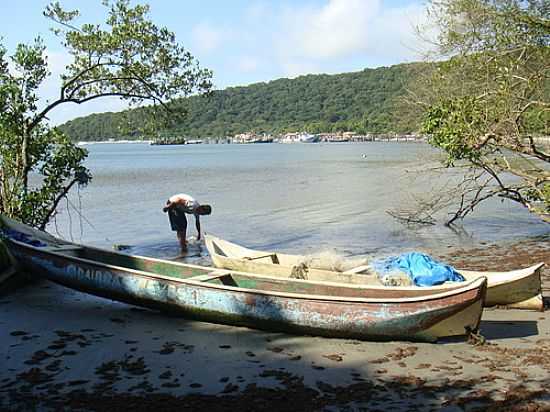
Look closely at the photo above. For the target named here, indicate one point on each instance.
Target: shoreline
(225, 141)
(65, 349)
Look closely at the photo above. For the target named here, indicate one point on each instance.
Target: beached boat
(257, 301)
(519, 289)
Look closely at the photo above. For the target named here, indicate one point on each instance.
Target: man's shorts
(178, 221)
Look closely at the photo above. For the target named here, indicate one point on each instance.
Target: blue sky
(248, 41)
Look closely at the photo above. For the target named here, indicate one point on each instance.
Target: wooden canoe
(520, 289)
(257, 301)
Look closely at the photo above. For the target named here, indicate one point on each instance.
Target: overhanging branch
(52, 209)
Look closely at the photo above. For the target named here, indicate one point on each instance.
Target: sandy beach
(64, 350)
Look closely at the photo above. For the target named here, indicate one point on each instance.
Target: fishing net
(395, 278)
(328, 260)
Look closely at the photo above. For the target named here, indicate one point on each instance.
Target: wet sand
(62, 349)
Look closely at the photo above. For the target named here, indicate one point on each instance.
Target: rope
(299, 271)
(474, 337)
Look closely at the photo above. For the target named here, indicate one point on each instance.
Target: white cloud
(393, 33)
(337, 29)
(207, 38)
(341, 30)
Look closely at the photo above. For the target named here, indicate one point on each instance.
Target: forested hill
(364, 101)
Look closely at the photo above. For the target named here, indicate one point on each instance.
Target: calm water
(302, 198)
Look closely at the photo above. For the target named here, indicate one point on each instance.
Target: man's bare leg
(183, 242)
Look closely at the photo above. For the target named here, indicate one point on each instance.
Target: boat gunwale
(520, 273)
(515, 274)
(472, 285)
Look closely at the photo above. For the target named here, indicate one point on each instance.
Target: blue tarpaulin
(421, 268)
(22, 237)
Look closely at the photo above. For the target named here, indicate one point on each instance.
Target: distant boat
(168, 141)
(176, 141)
(308, 138)
(262, 140)
(300, 138)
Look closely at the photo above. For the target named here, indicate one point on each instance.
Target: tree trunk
(25, 160)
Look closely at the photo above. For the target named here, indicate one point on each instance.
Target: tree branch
(61, 195)
(107, 94)
(79, 75)
(538, 153)
(61, 23)
(486, 139)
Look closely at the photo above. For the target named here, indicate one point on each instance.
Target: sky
(243, 41)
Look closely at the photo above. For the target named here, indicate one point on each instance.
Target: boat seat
(273, 256)
(357, 269)
(210, 276)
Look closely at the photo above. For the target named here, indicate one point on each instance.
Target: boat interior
(179, 271)
(360, 275)
(175, 271)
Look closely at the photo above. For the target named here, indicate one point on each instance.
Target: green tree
(127, 57)
(281, 105)
(489, 106)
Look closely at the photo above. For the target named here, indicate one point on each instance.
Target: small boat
(300, 138)
(257, 301)
(520, 289)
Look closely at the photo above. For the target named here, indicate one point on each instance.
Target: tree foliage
(27, 150)
(488, 106)
(128, 57)
(362, 102)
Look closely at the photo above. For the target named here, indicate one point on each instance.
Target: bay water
(297, 198)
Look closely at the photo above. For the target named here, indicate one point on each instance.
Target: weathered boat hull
(520, 289)
(252, 300)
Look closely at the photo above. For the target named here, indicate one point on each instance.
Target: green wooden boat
(253, 300)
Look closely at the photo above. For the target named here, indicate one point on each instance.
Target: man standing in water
(177, 206)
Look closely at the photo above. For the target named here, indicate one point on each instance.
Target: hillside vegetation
(362, 102)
